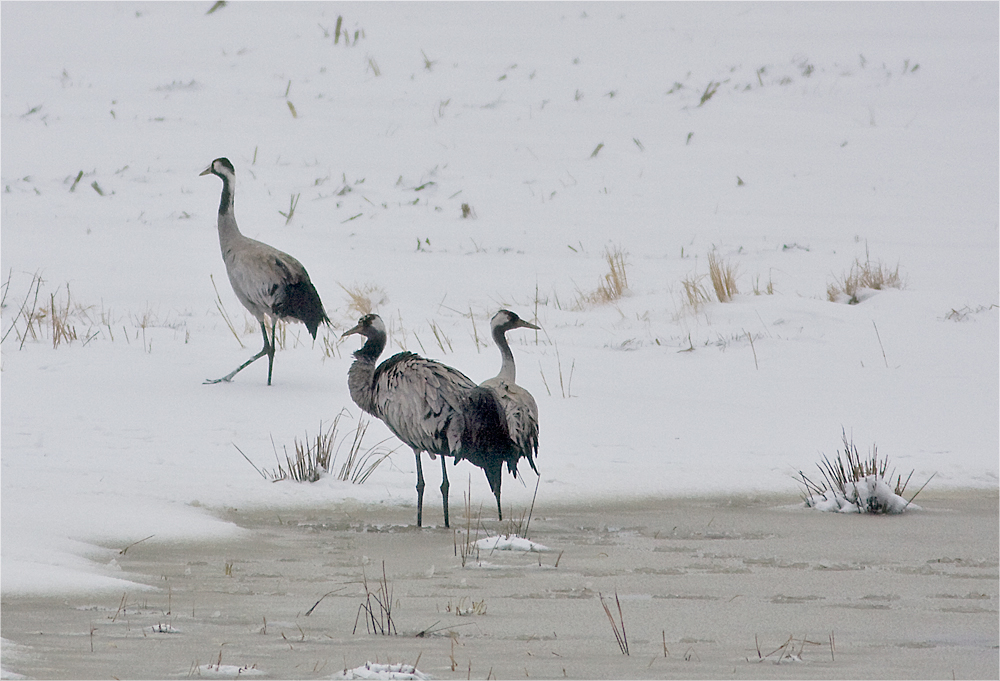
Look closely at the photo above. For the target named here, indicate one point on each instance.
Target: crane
(269, 283)
(520, 410)
(430, 406)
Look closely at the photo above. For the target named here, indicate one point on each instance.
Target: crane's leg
(444, 489)
(268, 350)
(420, 489)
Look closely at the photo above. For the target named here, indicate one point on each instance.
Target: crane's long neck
(361, 375)
(507, 357)
(227, 216)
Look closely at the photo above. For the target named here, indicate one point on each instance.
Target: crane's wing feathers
(268, 281)
(522, 418)
(421, 401)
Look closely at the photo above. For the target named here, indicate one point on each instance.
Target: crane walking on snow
(520, 410)
(269, 283)
(431, 407)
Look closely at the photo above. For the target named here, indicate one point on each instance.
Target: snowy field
(790, 140)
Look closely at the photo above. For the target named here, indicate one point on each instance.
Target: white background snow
(855, 129)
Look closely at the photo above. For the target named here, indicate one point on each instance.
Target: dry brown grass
(863, 275)
(55, 319)
(723, 276)
(365, 298)
(695, 293)
(613, 284)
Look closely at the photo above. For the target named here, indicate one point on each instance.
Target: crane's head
(221, 167)
(505, 320)
(371, 327)
(368, 326)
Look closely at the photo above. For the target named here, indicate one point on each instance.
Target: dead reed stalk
(377, 607)
(617, 627)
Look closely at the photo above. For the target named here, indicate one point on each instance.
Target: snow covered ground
(833, 133)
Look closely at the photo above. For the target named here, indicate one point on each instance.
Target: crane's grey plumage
(429, 406)
(519, 406)
(269, 283)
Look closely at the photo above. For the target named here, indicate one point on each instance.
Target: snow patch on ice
(382, 671)
(224, 671)
(509, 542)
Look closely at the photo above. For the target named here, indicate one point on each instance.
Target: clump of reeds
(863, 275)
(377, 606)
(856, 483)
(359, 464)
(315, 457)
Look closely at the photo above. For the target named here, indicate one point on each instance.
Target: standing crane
(431, 407)
(269, 283)
(520, 410)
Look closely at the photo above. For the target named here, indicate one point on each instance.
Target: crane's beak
(206, 171)
(527, 325)
(356, 329)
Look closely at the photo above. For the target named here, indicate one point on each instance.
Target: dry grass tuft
(312, 458)
(54, 319)
(613, 285)
(315, 457)
(360, 465)
(723, 276)
(466, 606)
(365, 299)
(863, 275)
(695, 293)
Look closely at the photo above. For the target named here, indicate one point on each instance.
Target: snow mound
(164, 628)
(382, 671)
(509, 542)
(868, 495)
